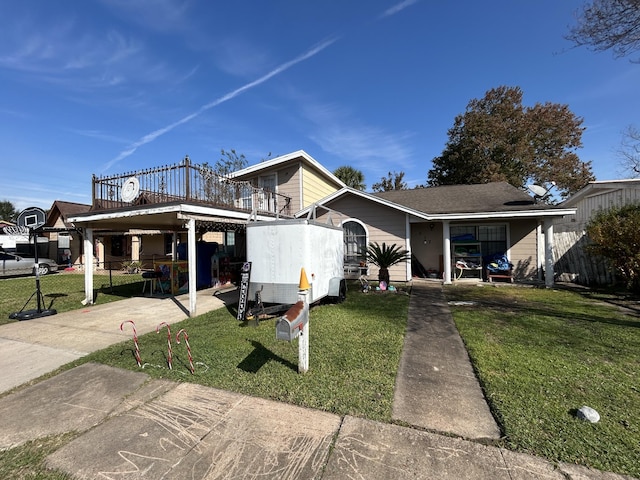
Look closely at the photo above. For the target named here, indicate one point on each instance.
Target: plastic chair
(153, 279)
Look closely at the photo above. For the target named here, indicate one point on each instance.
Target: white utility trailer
(278, 251)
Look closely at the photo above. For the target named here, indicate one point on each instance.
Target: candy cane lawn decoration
(168, 341)
(135, 340)
(186, 342)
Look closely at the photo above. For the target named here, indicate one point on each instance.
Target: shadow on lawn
(509, 305)
(260, 356)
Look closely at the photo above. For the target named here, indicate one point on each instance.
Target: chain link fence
(65, 290)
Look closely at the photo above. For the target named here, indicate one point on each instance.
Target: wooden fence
(574, 264)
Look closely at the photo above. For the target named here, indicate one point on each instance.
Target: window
(64, 240)
(168, 244)
(267, 185)
(355, 241)
(117, 245)
(492, 237)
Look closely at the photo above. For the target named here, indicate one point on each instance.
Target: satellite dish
(130, 189)
(537, 190)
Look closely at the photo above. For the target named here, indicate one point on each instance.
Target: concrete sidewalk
(131, 426)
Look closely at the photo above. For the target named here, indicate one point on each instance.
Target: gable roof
(484, 197)
(64, 210)
(456, 202)
(601, 186)
(283, 159)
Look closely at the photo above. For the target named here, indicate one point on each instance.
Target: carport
(178, 218)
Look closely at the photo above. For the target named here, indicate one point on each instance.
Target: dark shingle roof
(66, 210)
(485, 197)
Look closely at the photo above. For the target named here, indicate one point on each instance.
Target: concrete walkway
(436, 387)
(131, 426)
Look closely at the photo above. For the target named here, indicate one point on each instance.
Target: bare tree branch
(608, 25)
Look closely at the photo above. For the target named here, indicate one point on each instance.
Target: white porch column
(446, 252)
(548, 252)
(174, 247)
(136, 242)
(191, 257)
(408, 243)
(540, 247)
(88, 266)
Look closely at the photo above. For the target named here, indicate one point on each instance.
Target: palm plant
(384, 257)
(351, 177)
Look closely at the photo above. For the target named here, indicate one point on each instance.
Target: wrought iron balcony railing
(184, 182)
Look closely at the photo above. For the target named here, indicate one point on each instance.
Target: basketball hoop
(32, 217)
(16, 230)
(29, 220)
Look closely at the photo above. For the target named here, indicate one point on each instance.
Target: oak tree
(497, 138)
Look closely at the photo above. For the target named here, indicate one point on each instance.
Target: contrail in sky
(150, 137)
(398, 8)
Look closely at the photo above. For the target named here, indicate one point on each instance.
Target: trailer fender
(337, 290)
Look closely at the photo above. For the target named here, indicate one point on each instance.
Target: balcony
(185, 183)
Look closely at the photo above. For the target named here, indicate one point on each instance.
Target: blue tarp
(497, 263)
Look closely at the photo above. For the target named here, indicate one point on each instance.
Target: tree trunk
(383, 275)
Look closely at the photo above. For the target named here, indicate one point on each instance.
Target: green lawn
(542, 354)
(354, 353)
(63, 291)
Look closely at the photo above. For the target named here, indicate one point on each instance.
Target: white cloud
(365, 146)
(157, 15)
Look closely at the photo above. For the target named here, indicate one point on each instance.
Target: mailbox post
(295, 324)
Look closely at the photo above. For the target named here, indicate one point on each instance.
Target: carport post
(191, 258)
(88, 266)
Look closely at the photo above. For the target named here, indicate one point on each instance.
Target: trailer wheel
(341, 294)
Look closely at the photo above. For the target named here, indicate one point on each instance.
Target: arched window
(355, 241)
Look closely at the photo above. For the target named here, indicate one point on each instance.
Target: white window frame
(364, 227)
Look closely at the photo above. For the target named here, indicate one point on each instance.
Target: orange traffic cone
(304, 283)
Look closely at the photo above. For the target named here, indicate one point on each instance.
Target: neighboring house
(65, 241)
(597, 196)
(573, 264)
(9, 238)
(188, 201)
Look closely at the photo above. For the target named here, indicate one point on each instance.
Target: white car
(11, 264)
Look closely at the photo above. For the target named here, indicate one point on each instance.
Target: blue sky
(114, 86)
